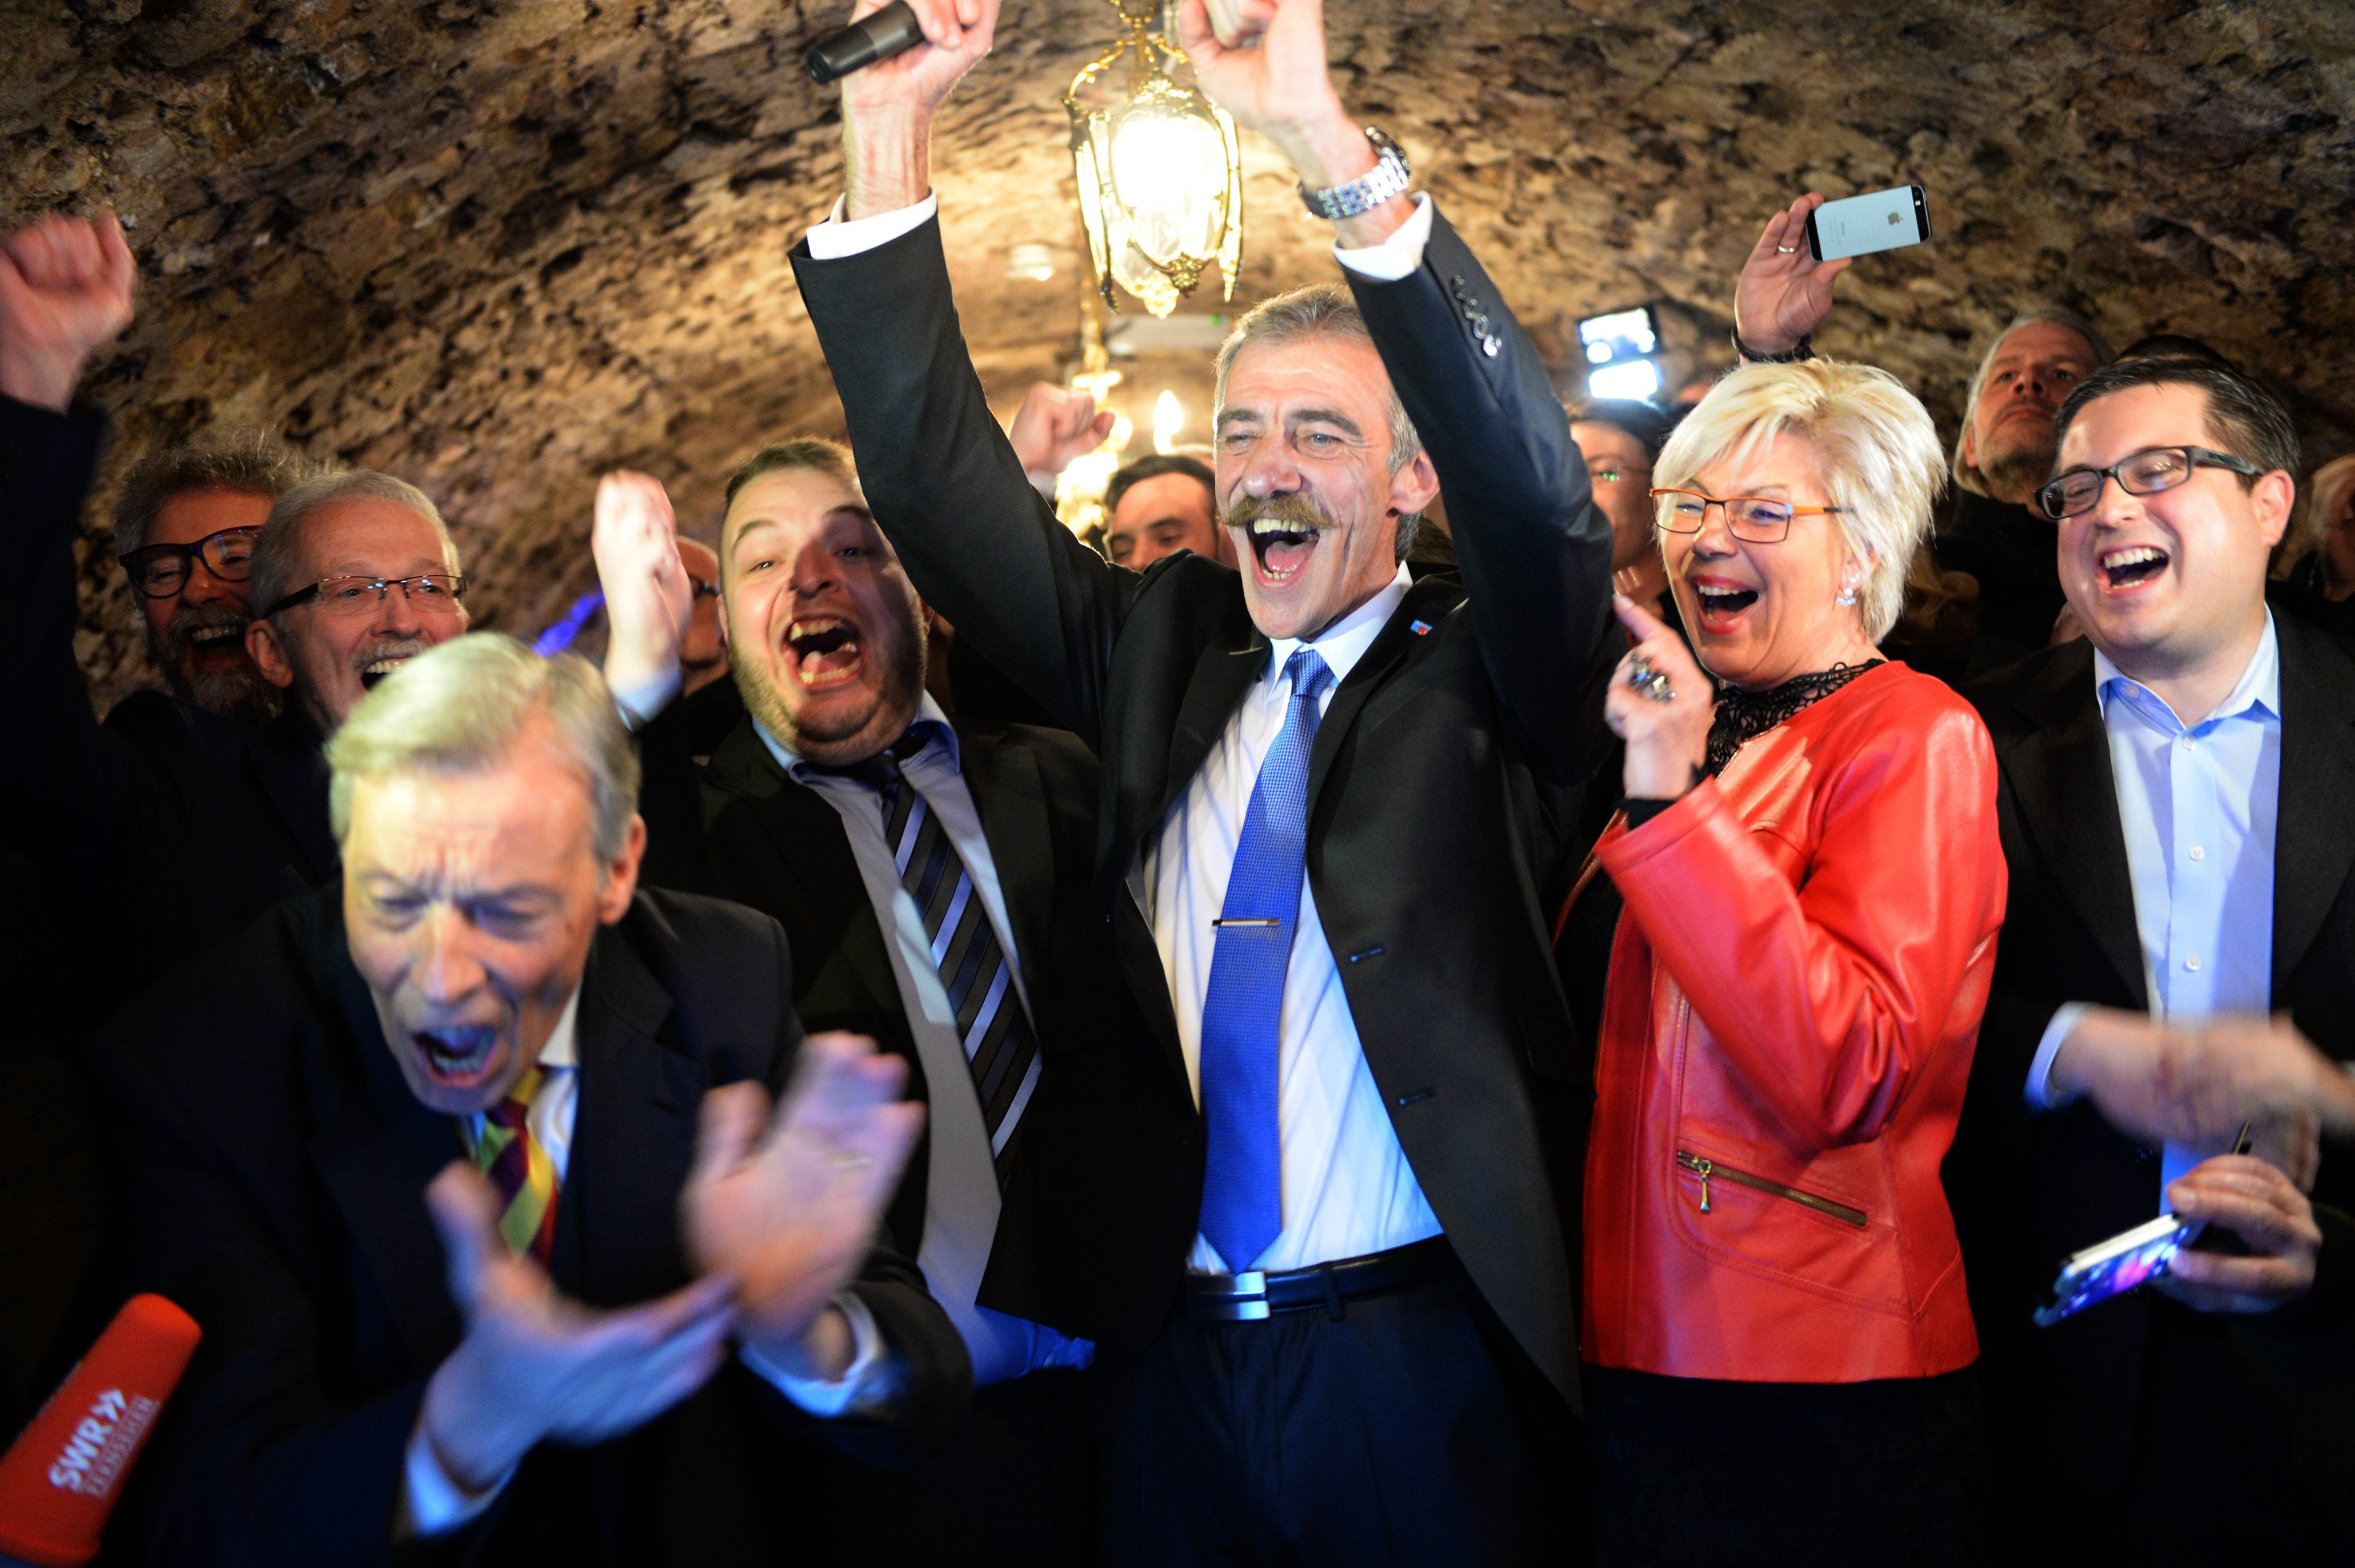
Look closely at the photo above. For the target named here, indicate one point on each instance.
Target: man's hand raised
(887, 108)
(534, 1365)
(1784, 292)
(787, 1206)
(649, 601)
(65, 291)
(1055, 426)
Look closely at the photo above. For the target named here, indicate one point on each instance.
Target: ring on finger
(1647, 679)
(1787, 249)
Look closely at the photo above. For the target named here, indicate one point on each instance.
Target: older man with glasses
(161, 832)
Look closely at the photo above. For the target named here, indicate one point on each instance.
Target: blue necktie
(1242, 1012)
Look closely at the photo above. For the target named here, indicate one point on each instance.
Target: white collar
(927, 711)
(1345, 642)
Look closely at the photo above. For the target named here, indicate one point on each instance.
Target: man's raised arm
(946, 488)
(1535, 552)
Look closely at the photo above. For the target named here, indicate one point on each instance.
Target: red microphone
(61, 1480)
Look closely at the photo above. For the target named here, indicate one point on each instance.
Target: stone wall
(496, 246)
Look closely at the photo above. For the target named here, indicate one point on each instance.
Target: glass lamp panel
(1168, 167)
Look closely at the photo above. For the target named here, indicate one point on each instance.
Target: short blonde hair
(458, 708)
(1877, 456)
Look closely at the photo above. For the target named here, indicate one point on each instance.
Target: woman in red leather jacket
(1776, 1327)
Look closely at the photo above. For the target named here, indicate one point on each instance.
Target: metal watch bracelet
(1389, 177)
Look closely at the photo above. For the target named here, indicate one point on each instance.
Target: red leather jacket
(1794, 992)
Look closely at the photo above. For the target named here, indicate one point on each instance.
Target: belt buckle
(1246, 1302)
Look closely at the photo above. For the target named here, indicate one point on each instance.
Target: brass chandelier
(1159, 173)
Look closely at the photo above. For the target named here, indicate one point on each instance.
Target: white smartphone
(2133, 1258)
(1860, 225)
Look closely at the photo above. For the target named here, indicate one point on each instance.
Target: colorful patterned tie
(1243, 1010)
(520, 1167)
(999, 1049)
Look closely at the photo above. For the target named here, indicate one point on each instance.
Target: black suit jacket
(2029, 1188)
(167, 828)
(270, 1162)
(740, 827)
(1439, 786)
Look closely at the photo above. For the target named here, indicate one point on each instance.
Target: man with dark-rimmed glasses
(184, 527)
(159, 833)
(2176, 791)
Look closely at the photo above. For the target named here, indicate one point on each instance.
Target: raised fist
(65, 291)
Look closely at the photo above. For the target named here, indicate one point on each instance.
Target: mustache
(1296, 509)
(389, 649)
(180, 630)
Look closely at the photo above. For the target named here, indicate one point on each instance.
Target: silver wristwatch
(1387, 178)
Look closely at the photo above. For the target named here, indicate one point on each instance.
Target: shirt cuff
(866, 1386)
(431, 1503)
(639, 704)
(839, 236)
(1395, 257)
(2040, 1069)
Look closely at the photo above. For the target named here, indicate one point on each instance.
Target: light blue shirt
(2198, 804)
(1348, 1187)
(960, 1199)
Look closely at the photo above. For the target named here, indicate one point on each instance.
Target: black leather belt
(1248, 1298)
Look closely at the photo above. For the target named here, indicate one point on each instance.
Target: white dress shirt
(1347, 1189)
(961, 1199)
(2198, 804)
(431, 1502)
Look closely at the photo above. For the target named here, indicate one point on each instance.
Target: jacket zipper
(1706, 1168)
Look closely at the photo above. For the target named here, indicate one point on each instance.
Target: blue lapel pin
(1420, 628)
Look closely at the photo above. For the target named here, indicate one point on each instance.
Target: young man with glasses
(2175, 796)
(157, 836)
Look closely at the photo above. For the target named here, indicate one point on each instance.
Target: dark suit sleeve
(63, 777)
(1534, 550)
(253, 1463)
(979, 543)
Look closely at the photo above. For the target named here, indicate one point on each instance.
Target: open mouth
(457, 1054)
(2130, 566)
(1720, 604)
(215, 644)
(1282, 546)
(372, 673)
(824, 651)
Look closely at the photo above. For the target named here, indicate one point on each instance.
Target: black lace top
(1743, 716)
(1583, 951)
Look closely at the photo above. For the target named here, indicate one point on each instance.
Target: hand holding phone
(1784, 292)
(1860, 225)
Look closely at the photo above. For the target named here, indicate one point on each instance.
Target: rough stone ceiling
(497, 246)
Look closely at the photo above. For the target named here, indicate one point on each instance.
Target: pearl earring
(1847, 595)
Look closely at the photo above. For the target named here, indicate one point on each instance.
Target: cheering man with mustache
(173, 825)
(1309, 1217)
(931, 875)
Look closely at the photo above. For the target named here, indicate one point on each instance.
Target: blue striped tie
(999, 1049)
(1243, 1011)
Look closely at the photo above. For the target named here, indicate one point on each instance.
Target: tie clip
(1248, 920)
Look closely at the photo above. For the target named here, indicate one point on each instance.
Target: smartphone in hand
(1860, 225)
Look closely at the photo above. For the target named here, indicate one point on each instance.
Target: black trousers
(1693, 1471)
(1015, 1487)
(1410, 1430)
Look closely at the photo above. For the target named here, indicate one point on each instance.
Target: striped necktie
(999, 1049)
(518, 1167)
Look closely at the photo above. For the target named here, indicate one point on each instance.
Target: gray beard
(238, 694)
(2016, 474)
